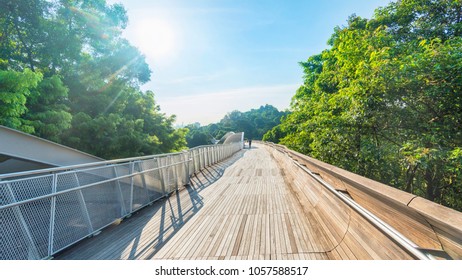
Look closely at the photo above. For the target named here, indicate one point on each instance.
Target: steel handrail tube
(93, 164)
(83, 165)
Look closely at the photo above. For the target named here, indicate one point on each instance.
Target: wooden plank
(213, 246)
(198, 243)
(209, 240)
(247, 238)
(256, 235)
(240, 233)
(225, 242)
(302, 224)
(302, 243)
(285, 242)
(292, 242)
(190, 238)
(233, 236)
(267, 232)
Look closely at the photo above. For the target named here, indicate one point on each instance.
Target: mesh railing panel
(71, 220)
(102, 203)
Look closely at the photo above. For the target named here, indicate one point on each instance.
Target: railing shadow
(148, 230)
(198, 183)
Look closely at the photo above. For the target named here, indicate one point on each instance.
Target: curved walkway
(238, 209)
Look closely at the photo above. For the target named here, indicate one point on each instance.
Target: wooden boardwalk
(243, 208)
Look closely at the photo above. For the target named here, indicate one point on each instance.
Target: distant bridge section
(20, 151)
(234, 138)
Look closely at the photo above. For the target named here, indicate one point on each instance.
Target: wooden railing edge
(442, 219)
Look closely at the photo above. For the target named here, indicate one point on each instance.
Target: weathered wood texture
(427, 224)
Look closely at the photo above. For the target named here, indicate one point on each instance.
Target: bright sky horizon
(211, 57)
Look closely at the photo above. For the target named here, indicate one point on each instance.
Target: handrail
(92, 164)
(83, 165)
(15, 204)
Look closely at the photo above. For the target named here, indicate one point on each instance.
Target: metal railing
(45, 211)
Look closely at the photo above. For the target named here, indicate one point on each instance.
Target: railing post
(83, 205)
(214, 148)
(212, 155)
(168, 173)
(200, 158)
(51, 229)
(206, 159)
(204, 154)
(132, 168)
(121, 197)
(175, 171)
(161, 175)
(143, 180)
(198, 155)
(186, 167)
(197, 161)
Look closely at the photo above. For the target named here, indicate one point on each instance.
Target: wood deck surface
(243, 208)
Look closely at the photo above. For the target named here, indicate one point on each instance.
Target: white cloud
(194, 78)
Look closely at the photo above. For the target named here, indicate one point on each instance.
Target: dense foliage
(385, 100)
(254, 123)
(67, 75)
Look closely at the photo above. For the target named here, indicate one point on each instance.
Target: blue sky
(210, 57)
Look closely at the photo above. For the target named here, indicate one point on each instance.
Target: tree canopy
(67, 75)
(385, 100)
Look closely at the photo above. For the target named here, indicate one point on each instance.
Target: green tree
(47, 109)
(15, 87)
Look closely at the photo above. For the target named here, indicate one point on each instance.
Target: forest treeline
(385, 100)
(254, 123)
(67, 75)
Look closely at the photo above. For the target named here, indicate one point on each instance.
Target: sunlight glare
(155, 38)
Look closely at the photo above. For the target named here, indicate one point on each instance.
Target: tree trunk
(431, 185)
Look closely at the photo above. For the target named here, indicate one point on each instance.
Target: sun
(155, 38)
